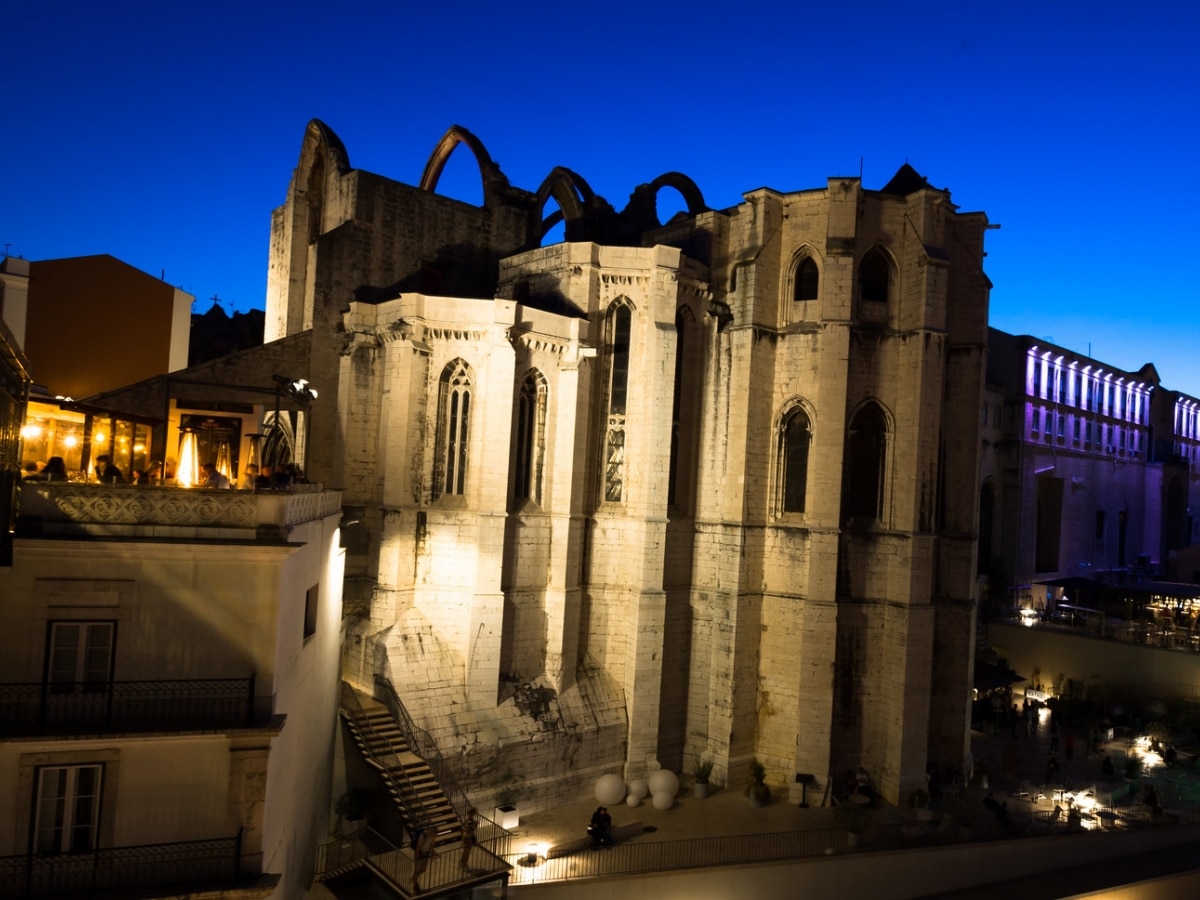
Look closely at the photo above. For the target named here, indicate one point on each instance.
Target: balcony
(205, 704)
(66, 509)
(175, 869)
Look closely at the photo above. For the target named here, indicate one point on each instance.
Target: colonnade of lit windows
(1119, 405)
(1187, 429)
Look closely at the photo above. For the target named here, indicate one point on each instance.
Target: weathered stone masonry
(656, 491)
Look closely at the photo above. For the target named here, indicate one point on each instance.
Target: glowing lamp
(187, 473)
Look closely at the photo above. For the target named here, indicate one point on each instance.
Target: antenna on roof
(860, 165)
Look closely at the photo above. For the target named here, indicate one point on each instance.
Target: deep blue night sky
(166, 136)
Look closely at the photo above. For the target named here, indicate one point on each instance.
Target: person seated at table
(106, 472)
(1170, 755)
(54, 470)
(1107, 766)
(213, 478)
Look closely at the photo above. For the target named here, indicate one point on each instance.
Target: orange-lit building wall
(95, 323)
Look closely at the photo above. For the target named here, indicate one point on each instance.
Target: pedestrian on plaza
(423, 850)
(1053, 733)
(469, 827)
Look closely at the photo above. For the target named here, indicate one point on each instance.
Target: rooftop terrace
(67, 509)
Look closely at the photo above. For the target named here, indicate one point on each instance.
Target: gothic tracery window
(530, 451)
(617, 339)
(866, 453)
(454, 419)
(795, 437)
(874, 287)
(808, 280)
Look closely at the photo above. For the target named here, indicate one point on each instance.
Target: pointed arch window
(874, 287)
(454, 420)
(617, 339)
(795, 438)
(866, 452)
(808, 280)
(530, 452)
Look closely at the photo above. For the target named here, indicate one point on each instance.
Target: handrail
(124, 869)
(634, 858)
(392, 772)
(385, 693)
(42, 707)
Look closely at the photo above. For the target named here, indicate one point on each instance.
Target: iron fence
(398, 865)
(47, 708)
(184, 863)
(884, 832)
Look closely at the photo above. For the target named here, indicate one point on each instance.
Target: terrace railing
(55, 708)
(637, 858)
(187, 864)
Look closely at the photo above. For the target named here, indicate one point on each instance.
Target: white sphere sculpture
(610, 789)
(633, 800)
(664, 800)
(639, 789)
(663, 781)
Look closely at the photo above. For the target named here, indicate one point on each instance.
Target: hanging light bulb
(187, 473)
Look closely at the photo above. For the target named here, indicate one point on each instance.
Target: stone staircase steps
(410, 782)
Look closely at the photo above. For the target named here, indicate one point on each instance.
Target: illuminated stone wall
(656, 601)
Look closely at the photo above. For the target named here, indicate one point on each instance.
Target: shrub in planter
(757, 791)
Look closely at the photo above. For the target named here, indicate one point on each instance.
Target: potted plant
(702, 770)
(507, 815)
(353, 807)
(852, 818)
(918, 801)
(757, 790)
(1133, 767)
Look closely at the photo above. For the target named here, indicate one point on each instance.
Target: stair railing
(423, 745)
(412, 809)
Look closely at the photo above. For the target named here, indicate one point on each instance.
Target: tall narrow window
(987, 515)
(530, 451)
(79, 656)
(807, 280)
(866, 450)
(620, 320)
(454, 419)
(874, 287)
(676, 405)
(795, 437)
(68, 809)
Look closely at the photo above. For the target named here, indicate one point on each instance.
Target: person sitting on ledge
(600, 829)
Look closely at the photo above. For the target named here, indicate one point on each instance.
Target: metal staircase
(411, 784)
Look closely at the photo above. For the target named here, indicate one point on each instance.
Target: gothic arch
(572, 194)
(876, 285)
(800, 282)
(320, 139)
(794, 428)
(867, 461)
(643, 204)
(491, 176)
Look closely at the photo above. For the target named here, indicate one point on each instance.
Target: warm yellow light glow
(70, 441)
(187, 473)
(139, 448)
(99, 438)
(29, 432)
(223, 464)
